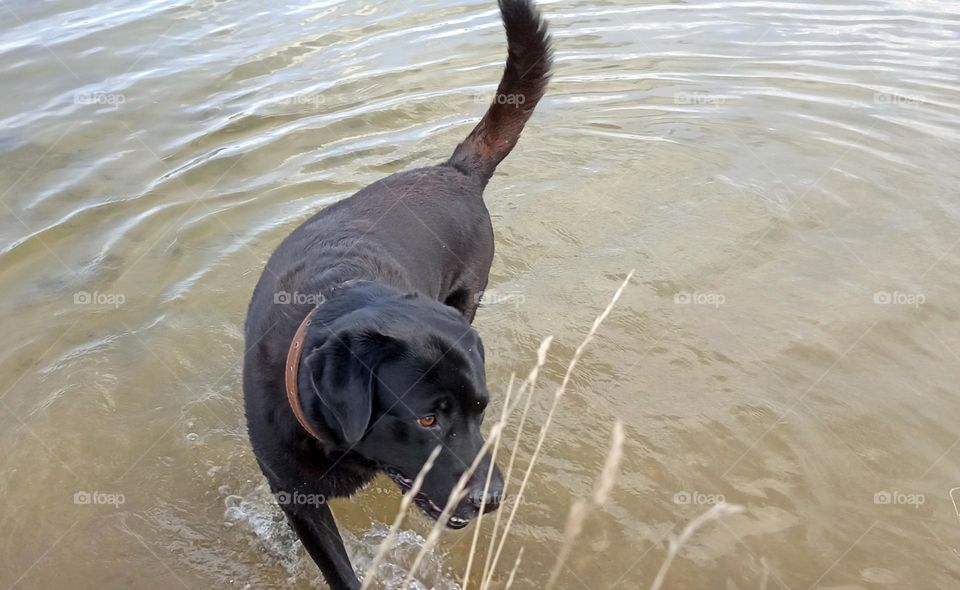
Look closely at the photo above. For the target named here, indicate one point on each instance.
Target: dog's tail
(523, 83)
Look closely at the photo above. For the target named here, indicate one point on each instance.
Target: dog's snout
(494, 496)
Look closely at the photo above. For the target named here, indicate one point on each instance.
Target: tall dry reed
(578, 512)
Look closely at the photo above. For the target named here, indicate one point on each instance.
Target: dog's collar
(292, 372)
(295, 352)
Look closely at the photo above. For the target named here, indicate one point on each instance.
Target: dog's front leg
(318, 531)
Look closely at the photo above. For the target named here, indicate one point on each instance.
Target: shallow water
(782, 175)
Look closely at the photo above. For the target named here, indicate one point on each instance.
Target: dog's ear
(342, 371)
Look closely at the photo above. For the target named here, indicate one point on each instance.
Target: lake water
(782, 175)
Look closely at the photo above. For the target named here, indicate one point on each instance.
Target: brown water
(783, 176)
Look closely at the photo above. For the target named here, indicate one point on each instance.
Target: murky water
(783, 176)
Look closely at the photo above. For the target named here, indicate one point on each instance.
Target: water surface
(782, 176)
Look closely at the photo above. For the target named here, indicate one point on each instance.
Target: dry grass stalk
(486, 486)
(573, 528)
(531, 381)
(404, 505)
(418, 482)
(493, 439)
(513, 571)
(610, 467)
(455, 496)
(717, 512)
(546, 426)
(580, 509)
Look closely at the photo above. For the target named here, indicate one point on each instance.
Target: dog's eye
(427, 421)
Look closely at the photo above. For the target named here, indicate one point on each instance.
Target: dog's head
(393, 376)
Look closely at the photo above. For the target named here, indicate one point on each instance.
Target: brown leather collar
(291, 374)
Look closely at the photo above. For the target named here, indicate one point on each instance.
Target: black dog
(366, 310)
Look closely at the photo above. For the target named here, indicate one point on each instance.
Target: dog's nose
(494, 493)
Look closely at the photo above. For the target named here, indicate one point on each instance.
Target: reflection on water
(782, 175)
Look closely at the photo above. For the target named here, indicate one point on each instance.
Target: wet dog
(362, 317)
